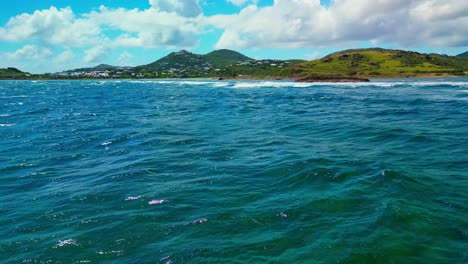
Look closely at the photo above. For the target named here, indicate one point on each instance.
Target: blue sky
(50, 36)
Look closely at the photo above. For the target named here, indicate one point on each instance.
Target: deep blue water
(235, 172)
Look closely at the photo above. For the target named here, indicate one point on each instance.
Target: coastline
(326, 79)
(359, 65)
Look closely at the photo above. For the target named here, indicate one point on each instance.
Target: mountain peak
(104, 66)
(224, 50)
(181, 52)
(224, 57)
(183, 58)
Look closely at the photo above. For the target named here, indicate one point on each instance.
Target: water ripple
(200, 171)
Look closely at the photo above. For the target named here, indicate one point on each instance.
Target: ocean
(193, 171)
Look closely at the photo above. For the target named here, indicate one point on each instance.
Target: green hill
(12, 73)
(100, 67)
(224, 57)
(219, 63)
(257, 69)
(103, 67)
(464, 54)
(185, 59)
(177, 60)
(379, 63)
(347, 65)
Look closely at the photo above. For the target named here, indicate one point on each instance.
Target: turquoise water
(235, 172)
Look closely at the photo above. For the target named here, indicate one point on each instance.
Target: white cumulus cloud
(52, 26)
(30, 52)
(125, 58)
(149, 28)
(314, 55)
(97, 53)
(31, 58)
(157, 27)
(50, 34)
(64, 57)
(185, 8)
(306, 23)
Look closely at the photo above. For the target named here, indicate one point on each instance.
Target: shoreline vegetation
(356, 65)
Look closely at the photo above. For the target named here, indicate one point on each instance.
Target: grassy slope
(380, 63)
(223, 58)
(364, 63)
(260, 71)
(100, 67)
(177, 60)
(11, 73)
(218, 59)
(222, 63)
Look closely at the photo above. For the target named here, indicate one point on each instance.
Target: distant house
(103, 75)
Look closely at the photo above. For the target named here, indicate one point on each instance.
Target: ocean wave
(220, 84)
(194, 83)
(208, 83)
(303, 161)
(384, 84)
(14, 96)
(200, 221)
(133, 198)
(66, 242)
(241, 84)
(112, 252)
(14, 104)
(417, 84)
(174, 82)
(270, 84)
(155, 202)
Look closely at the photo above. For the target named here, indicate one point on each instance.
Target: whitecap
(132, 198)
(14, 96)
(200, 221)
(7, 125)
(165, 82)
(166, 260)
(154, 202)
(140, 81)
(115, 252)
(179, 82)
(220, 84)
(282, 214)
(243, 85)
(65, 242)
(464, 84)
(287, 84)
(106, 143)
(416, 83)
(18, 103)
(193, 83)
